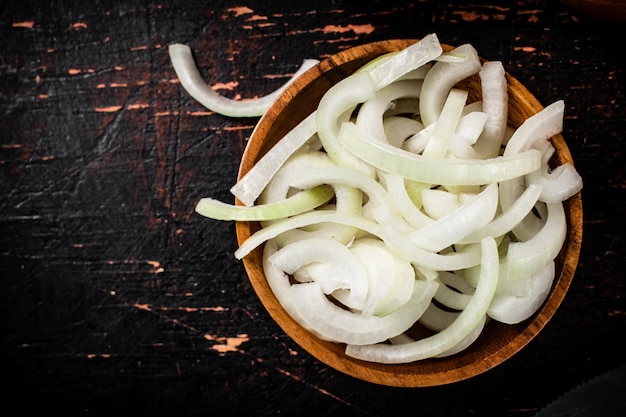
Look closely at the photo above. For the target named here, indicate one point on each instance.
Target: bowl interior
(498, 342)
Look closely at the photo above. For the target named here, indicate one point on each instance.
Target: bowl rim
(429, 372)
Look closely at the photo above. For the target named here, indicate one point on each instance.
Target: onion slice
(443, 171)
(470, 318)
(298, 203)
(191, 79)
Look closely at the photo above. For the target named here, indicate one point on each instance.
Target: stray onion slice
(298, 203)
(191, 79)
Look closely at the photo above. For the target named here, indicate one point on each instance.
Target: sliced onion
(442, 171)
(441, 79)
(191, 79)
(446, 123)
(508, 219)
(468, 218)
(252, 184)
(470, 318)
(510, 309)
(305, 200)
(401, 63)
(370, 115)
(527, 258)
(495, 101)
(344, 272)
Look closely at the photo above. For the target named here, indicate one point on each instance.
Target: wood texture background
(117, 299)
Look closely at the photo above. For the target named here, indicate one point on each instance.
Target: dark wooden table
(117, 299)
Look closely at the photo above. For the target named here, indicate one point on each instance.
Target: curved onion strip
(438, 202)
(463, 344)
(347, 198)
(557, 185)
(446, 123)
(302, 220)
(467, 340)
(370, 115)
(339, 100)
(399, 64)
(470, 318)
(451, 298)
(495, 100)
(455, 292)
(250, 186)
(466, 257)
(346, 271)
(334, 323)
(468, 218)
(391, 278)
(441, 79)
(529, 257)
(311, 177)
(443, 171)
(398, 129)
(538, 127)
(191, 79)
(396, 190)
(298, 203)
(508, 219)
(510, 309)
(436, 318)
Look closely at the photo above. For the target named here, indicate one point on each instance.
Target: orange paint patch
(358, 29)
(525, 48)
(234, 128)
(98, 355)
(76, 71)
(79, 25)
(109, 109)
(238, 11)
(257, 17)
(26, 24)
(138, 106)
(166, 113)
(225, 86)
(144, 307)
(227, 344)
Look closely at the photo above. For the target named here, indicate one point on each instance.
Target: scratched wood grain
(117, 298)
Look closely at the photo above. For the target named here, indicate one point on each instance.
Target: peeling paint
(138, 106)
(225, 86)
(241, 10)
(26, 24)
(227, 344)
(108, 109)
(525, 48)
(98, 355)
(358, 29)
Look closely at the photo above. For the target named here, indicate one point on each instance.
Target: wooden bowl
(498, 342)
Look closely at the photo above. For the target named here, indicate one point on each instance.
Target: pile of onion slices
(397, 202)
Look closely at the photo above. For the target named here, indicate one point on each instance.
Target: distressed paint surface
(118, 299)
